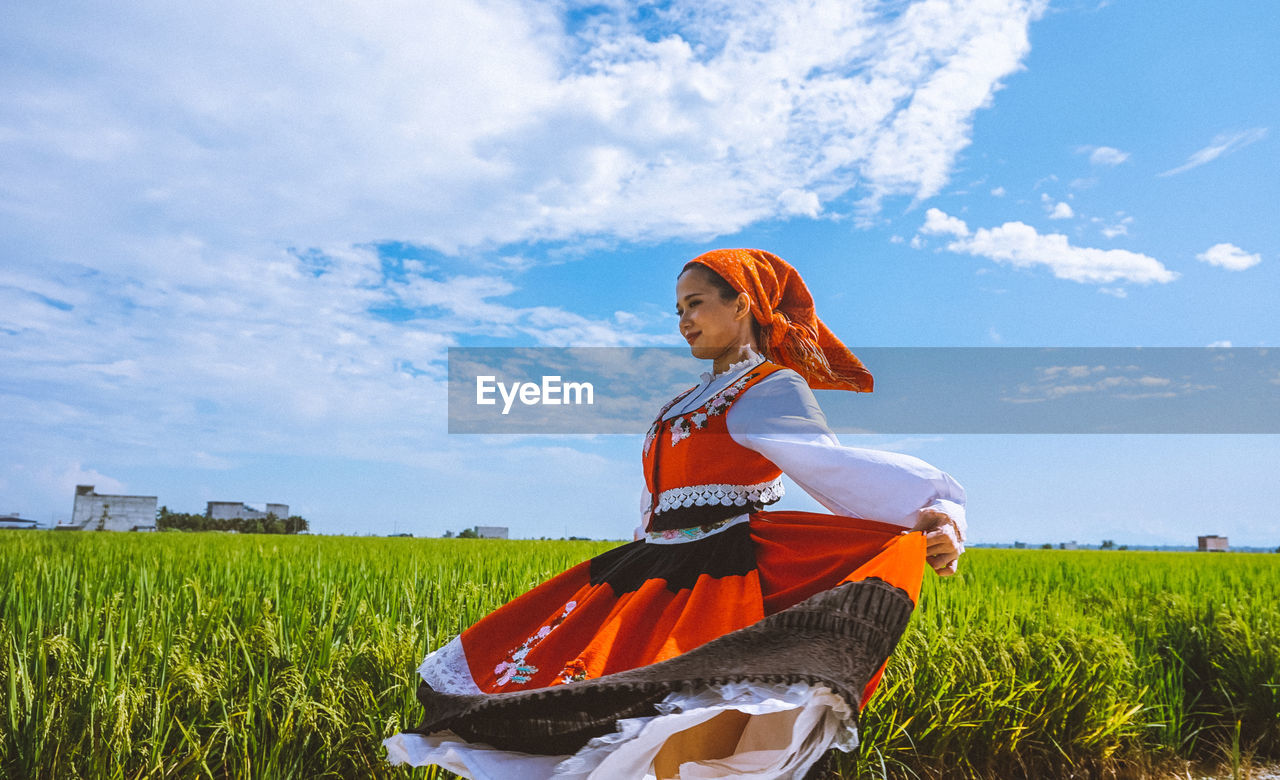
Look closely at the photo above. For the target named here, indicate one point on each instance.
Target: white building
(492, 531)
(239, 510)
(1211, 543)
(95, 512)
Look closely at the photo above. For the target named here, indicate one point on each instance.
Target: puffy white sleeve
(780, 419)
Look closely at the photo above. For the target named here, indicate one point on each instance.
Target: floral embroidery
(718, 404)
(683, 535)
(680, 429)
(686, 424)
(697, 532)
(574, 671)
(657, 424)
(515, 669)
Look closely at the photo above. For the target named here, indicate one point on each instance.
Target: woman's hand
(942, 543)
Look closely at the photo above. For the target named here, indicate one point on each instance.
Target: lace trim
(446, 670)
(752, 360)
(724, 495)
(682, 535)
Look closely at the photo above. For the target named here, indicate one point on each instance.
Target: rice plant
(216, 656)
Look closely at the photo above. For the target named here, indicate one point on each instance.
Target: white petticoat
(790, 727)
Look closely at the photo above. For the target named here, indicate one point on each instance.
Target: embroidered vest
(696, 473)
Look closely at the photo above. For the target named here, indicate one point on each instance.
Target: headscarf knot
(778, 329)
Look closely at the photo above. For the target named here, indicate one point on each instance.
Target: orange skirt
(625, 626)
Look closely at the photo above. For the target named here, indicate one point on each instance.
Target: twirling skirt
(784, 618)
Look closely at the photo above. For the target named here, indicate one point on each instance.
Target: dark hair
(727, 293)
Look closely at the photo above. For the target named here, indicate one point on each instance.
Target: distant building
(239, 510)
(94, 512)
(492, 531)
(1068, 546)
(1211, 543)
(13, 522)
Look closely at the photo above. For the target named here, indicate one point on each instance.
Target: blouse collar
(752, 360)
(715, 382)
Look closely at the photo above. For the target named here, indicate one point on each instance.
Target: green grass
(1032, 662)
(207, 655)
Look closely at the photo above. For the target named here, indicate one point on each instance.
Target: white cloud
(1124, 382)
(1220, 344)
(939, 223)
(58, 477)
(1222, 144)
(1104, 155)
(1229, 256)
(310, 355)
(1070, 372)
(998, 192)
(1114, 292)
(800, 203)
(460, 123)
(1119, 228)
(191, 195)
(205, 460)
(981, 44)
(1061, 210)
(1020, 246)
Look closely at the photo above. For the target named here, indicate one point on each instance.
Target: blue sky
(237, 240)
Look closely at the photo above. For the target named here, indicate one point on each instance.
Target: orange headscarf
(793, 335)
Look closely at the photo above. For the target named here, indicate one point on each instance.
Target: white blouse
(780, 419)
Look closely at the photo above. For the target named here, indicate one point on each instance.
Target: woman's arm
(780, 419)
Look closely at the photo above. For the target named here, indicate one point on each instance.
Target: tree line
(270, 524)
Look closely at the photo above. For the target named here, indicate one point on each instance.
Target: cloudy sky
(237, 239)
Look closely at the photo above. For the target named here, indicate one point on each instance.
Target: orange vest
(696, 473)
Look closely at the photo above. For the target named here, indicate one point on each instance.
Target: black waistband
(726, 554)
(695, 516)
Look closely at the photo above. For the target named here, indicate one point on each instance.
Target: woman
(726, 641)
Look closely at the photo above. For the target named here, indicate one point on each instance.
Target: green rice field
(210, 655)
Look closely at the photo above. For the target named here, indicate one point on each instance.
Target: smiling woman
(714, 318)
(727, 640)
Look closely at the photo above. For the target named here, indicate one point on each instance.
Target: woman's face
(713, 326)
